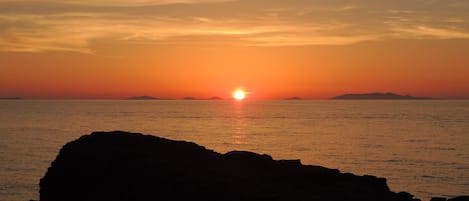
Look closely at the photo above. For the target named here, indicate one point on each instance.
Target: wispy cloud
(71, 25)
(431, 32)
(285, 40)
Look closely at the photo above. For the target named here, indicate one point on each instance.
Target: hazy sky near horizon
(203, 48)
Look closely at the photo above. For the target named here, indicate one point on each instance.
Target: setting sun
(239, 94)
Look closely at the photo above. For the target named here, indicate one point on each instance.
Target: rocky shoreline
(123, 166)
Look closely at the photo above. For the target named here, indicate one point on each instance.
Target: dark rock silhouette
(118, 166)
(460, 198)
(378, 96)
(293, 98)
(215, 98)
(143, 98)
(438, 199)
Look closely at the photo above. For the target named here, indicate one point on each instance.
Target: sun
(239, 94)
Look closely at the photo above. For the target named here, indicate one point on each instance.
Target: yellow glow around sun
(239, 94)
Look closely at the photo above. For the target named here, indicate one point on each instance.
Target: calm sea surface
(420, 146)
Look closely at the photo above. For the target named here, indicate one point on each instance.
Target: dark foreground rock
(460, 198)
(119, 166)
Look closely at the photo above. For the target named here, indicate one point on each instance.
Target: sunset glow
(201, 48)
(239, 95)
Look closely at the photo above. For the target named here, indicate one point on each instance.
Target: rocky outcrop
(460, 198)
(122, 166)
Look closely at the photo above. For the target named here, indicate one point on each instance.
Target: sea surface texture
(420, 146)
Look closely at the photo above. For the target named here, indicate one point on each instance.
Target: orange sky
(273, 49)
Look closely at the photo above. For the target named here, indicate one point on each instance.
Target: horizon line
(226, 99)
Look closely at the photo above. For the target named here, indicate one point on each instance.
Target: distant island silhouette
(215, 98)
(293, 98)
(378, 96)
(143, 98)
(189, 98)
(123, 166)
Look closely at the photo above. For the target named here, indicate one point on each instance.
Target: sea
(420, 146)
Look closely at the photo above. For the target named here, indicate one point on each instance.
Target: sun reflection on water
(239, 135)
